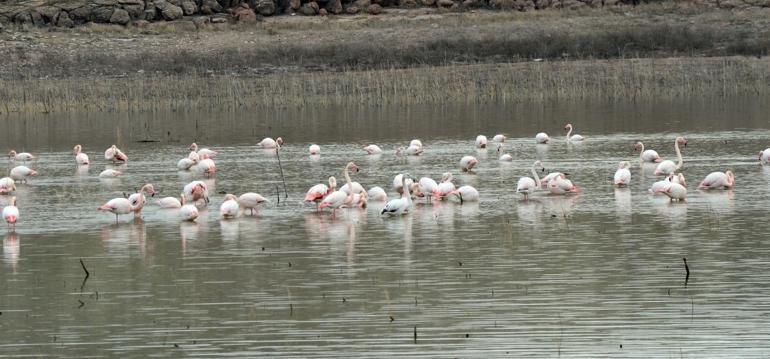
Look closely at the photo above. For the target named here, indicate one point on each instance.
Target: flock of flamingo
(352, 194)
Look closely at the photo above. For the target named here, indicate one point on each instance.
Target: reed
(631, 79)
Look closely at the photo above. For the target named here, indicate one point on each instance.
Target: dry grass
(531, 81)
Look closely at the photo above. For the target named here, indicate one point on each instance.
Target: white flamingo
(80, 157)
(561, 186)
(110, 173)
(188, 212)
(203, 151)
(339, 198)
(169, 202)
(646, 155)
(373, 150)
(622, 176)
(764, 156)
(21, 156)
(499, 138)
(399, 206)
(674, 191)
(718, 180)
(570, 136)
(481, 141)
(467, 163)
(668, 166)
(542, 138)
(466, 194)
(230, 207)
(250, 201)
(445, 187)
(527, 185)
(117, 206)
(21, 173)
(11, 213)
(196, 191)
(663, 184)
(314, 149)
(269, 143)
(7, 185)
(377, 194)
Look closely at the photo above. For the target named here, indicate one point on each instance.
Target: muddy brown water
(599, 274)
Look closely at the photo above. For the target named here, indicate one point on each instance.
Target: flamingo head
(279, 141)
(473, 162)
(230, 197)
(353, 166)
(12, 154)
(399, 150)
(148, 189)
(730, 177)
(682, 141)
(76, 149)
(624, 164)
(332, 183)
(638, 146)
(539, 164)
(193, 147)
(446, 177)
(567, 127)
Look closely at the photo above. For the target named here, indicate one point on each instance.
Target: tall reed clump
(628, 79)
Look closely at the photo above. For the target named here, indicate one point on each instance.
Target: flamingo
(206, 165)
(425, 187)
(250, 201)
(481, 141)
(445, 187)
(186, 163)
(550, 177)
(11, 213)
(338, 198)
(373, 150)
(718, 180)
(377, 194)
(269, 143)
(7, 185)
(169, 202)
(622, 175)
(115, 155)
(506, 157)
(668, 166)
(319, 191)
(415, 143)
(22, 156)
(80, 157)
(570, 136)
(138, 199)
(21, 173)
(397, 183)
(646, 155)
(196, 191)
(399, 206)
(108, 173)
(499, 138)
(542, 138)
(314, 149)
(466, 194)
(674, 191)
(528, 185)
(412, 150)
(230, 207)
(202, 151)
(467, 163)
(561, 185)
(764, 156)
(663, 184)
(117, 206)
(188, 212)
(356, 200)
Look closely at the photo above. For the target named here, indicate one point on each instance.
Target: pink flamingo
(21, 173)
(445, 187)
(663, 184)
(481, 141)
(506, 157)
(570, 136)
(7, 185)
(188, 212)
(499, 138)
(466, 194)
(21, 156)
(674, 191)
(117, 206)
(314, 149)
(138, 200)
(373, 150)
(115, 155)
(11, 213)
(269, 143)
(206, 165)
(250, 200)
(80, 157)
(110, 173)
(196, 191)
(425, 188)
(542, 138)
(467, 163)
(377, 194)
(203, 151)
(622, 176)
(718, 180)
(319, 191)
(764, 156)
(561, 185)
(646, 155)
(339, 198)
(230, 207)
(169, 202)
(668, 166)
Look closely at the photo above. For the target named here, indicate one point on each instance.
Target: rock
(106, 2)
(102, 14)
(218, 19)
(175, 2)
(502, 4)
(295, 4)
(322, 12)
(200, 21)
(120, 17)
(409, 4)
(352, 10)
(150, 12)
(264, 7)
(168, 10)
(134, 11)
(429, 2)
(210, 7)
(189, 7)
(68, 6)
(362, 4)
(63, 20)
(445, 3)
(141, 24)
(374, 9)
(245, 14)
(334, 7)
(22, 17)
(308, 9)
(48, 13)
(81, 14)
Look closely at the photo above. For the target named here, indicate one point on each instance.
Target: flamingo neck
(536, 177)
(641, 151)
(406, 190)
(569, 132)
(680, 161)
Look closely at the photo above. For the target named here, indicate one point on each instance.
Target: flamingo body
(169, 202)
(21, 173)
(7, 185)
(622, 175)
(542, 138)
(314, 149)
(764, 156)
(377, 194)
(230, 207)
(499, 138)
(109, 173)
(466, 194)
(373, 150)
(481, 141)
(718, 180)
(11, 212)
(467, 163)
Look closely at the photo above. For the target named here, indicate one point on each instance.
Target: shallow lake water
(599, 274)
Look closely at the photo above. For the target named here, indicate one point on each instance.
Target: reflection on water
(578, 275)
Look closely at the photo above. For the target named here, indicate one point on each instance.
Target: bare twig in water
(686, 268)
(415, 334)
(280, 167)
(82, 285)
